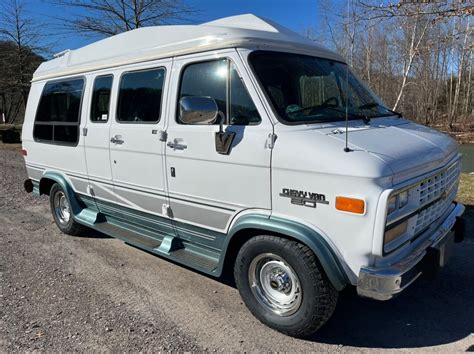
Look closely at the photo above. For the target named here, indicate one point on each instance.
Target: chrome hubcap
(61, 208)
(274, 284)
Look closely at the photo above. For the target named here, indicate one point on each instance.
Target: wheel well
(45, 185)
(238, 241)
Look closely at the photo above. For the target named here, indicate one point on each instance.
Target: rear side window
(140, 94)
(58, 116)
(100, 105)
(220, 80)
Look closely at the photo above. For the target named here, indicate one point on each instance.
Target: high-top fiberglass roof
(150, 43)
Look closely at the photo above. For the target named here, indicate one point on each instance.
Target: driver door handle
(176, 145)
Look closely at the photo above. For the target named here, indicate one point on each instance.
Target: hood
(407, 148)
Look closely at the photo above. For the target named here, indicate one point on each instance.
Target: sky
(295, 14)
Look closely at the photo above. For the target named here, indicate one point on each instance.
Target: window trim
(79, 118)
(264, 92)
(228, 91)
(92, 98)
(161, 98)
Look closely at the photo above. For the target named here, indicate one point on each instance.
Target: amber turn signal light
(350, 205)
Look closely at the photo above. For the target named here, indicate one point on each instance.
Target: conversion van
(238, 144)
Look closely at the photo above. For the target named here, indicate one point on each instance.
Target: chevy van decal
(302, 198)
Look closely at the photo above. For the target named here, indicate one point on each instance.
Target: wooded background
(417, 56)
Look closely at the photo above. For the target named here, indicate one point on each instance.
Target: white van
(238, 144)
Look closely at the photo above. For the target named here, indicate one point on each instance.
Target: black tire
(318, 296)
(69, 227)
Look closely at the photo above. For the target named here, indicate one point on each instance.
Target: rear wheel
(283, 285)
(62, 212)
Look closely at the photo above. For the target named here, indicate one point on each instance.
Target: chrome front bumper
(385, 282)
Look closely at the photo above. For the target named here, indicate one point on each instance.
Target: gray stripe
(199, 215)
(104, 191)
(79, 185)
(144, 200)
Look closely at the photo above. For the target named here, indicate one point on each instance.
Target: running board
(89, 217)
(207, 264)
(128, 235)
(169, 247)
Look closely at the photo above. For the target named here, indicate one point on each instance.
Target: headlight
(392, 205)
(395, 232)
(402, 199)
(397, 201)
(397, 207)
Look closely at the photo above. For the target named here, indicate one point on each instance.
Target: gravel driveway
(62, 293)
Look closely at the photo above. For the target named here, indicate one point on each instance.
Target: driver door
(208, 189)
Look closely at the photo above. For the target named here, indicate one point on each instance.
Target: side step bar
(169, 247)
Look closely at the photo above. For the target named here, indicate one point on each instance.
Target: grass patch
(10, 147)
(466, 189)
(10, 126)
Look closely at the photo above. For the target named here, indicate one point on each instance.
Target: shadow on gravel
(429, 313)
(226, 278)
(92, 234)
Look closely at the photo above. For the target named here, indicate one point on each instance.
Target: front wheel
(283, 285)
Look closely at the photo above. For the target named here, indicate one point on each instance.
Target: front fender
(299, 232)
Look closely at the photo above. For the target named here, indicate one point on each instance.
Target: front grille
(442, 186)
(434, 186)
(435, 211)
(428, 201)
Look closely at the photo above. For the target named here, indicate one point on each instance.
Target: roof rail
(60, 54)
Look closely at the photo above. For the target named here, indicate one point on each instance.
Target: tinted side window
(206, 79)
(58, 115)
(60, 101)
(139, 98)
(101, 99)
(219, 79)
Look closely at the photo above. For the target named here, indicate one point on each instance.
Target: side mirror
(198, 110)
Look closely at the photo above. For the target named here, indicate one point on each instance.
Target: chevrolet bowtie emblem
(444, 195)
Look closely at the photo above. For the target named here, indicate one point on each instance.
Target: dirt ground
(62, 293)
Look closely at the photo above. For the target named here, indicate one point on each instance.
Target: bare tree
(436, 10)
(415, 34)
(21, 37)
(417, 56)
(462, 57)
(105, 18)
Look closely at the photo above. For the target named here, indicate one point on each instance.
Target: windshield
(306, 89)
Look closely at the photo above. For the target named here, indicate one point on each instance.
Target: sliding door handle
(117, 139)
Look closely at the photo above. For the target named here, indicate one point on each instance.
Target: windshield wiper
(353, 115)
(375, 104)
